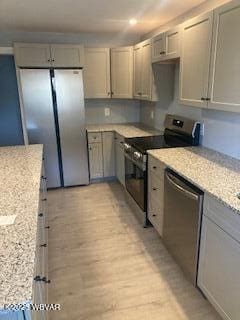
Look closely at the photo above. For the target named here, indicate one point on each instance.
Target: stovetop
(143, 144)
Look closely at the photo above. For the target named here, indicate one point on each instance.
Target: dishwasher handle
(172, 180)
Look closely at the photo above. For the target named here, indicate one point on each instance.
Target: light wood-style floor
(104, 266)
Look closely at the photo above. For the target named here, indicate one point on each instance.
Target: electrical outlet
(152, 114)
(107, 112)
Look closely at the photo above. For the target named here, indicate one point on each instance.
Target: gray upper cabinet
(142, 67)
(122, 72)
(67, 55)
(224, 86)
(158, 47)
(195, 59)
(46, 55)
(166, 46)
(32, 55)
(97, 73)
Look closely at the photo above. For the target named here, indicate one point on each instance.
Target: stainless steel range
(178, 132)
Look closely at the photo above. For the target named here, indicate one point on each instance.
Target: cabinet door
(146, 71)
(137, 71)
(67, 55)
(224, 88)
(120, 159)
(155, 200)
(195, 60)
(172, 43)
(218, 275)
(108, 154)
(122, 72)
(95, 160)
(32, 55)
(97, 73)
(158, 47)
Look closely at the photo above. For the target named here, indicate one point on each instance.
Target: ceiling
(73, 16)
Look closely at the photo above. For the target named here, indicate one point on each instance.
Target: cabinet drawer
(156, 166)
(224, 217)
(94, 137)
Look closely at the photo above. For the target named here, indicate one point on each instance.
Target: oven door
(136, 181)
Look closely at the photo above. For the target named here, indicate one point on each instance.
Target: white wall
(121, 111)
(221, 129)
(87, 39)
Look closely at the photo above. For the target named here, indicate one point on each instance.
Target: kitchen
(119, 160)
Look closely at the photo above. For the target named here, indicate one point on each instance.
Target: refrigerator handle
(53, 83)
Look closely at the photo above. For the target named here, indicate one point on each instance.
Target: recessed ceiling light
(132, 22)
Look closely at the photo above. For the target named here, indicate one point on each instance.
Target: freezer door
(71, 119)
(39, 117)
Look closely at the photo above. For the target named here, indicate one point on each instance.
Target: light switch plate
(107, 112)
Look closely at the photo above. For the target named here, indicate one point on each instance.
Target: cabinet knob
(162, 52)
(154, 189)
(154, 215)
(44, 279)
(154, 167)
(43, 245)
(48, 227)
(48, 60)
(40, 215)
(45, 199)
(53, 60)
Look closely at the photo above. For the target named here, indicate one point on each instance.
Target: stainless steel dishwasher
(182, 222)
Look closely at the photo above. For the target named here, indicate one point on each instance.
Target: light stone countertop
(211, 171)
(127, 130)
(20, 173)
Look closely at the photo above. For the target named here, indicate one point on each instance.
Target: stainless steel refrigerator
(54, 113)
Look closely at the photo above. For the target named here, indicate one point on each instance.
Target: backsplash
(121, 111)
(221, 129)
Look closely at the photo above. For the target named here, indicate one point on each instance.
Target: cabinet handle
(40, 215)
(45, 199)
(43, 245)
(162, 52)
(208, 99)
(44, 279)
(139, 93)
(37, 278)
(204, 99)
(44, 178)
(48, 227)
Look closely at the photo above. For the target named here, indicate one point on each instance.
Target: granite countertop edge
(188, 177)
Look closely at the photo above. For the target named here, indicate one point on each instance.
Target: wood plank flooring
(104, 266)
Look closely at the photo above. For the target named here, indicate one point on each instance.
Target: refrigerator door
(71, 119)
(39, 117)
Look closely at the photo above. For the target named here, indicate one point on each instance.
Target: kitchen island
(22, 194)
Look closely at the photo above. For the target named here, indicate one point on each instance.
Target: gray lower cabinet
(218, 275)
(156, 193)
(108, 154)
(120, 158)
(101, 154)
(95, 160)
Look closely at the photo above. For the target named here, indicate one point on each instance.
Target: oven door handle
(139, 165)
